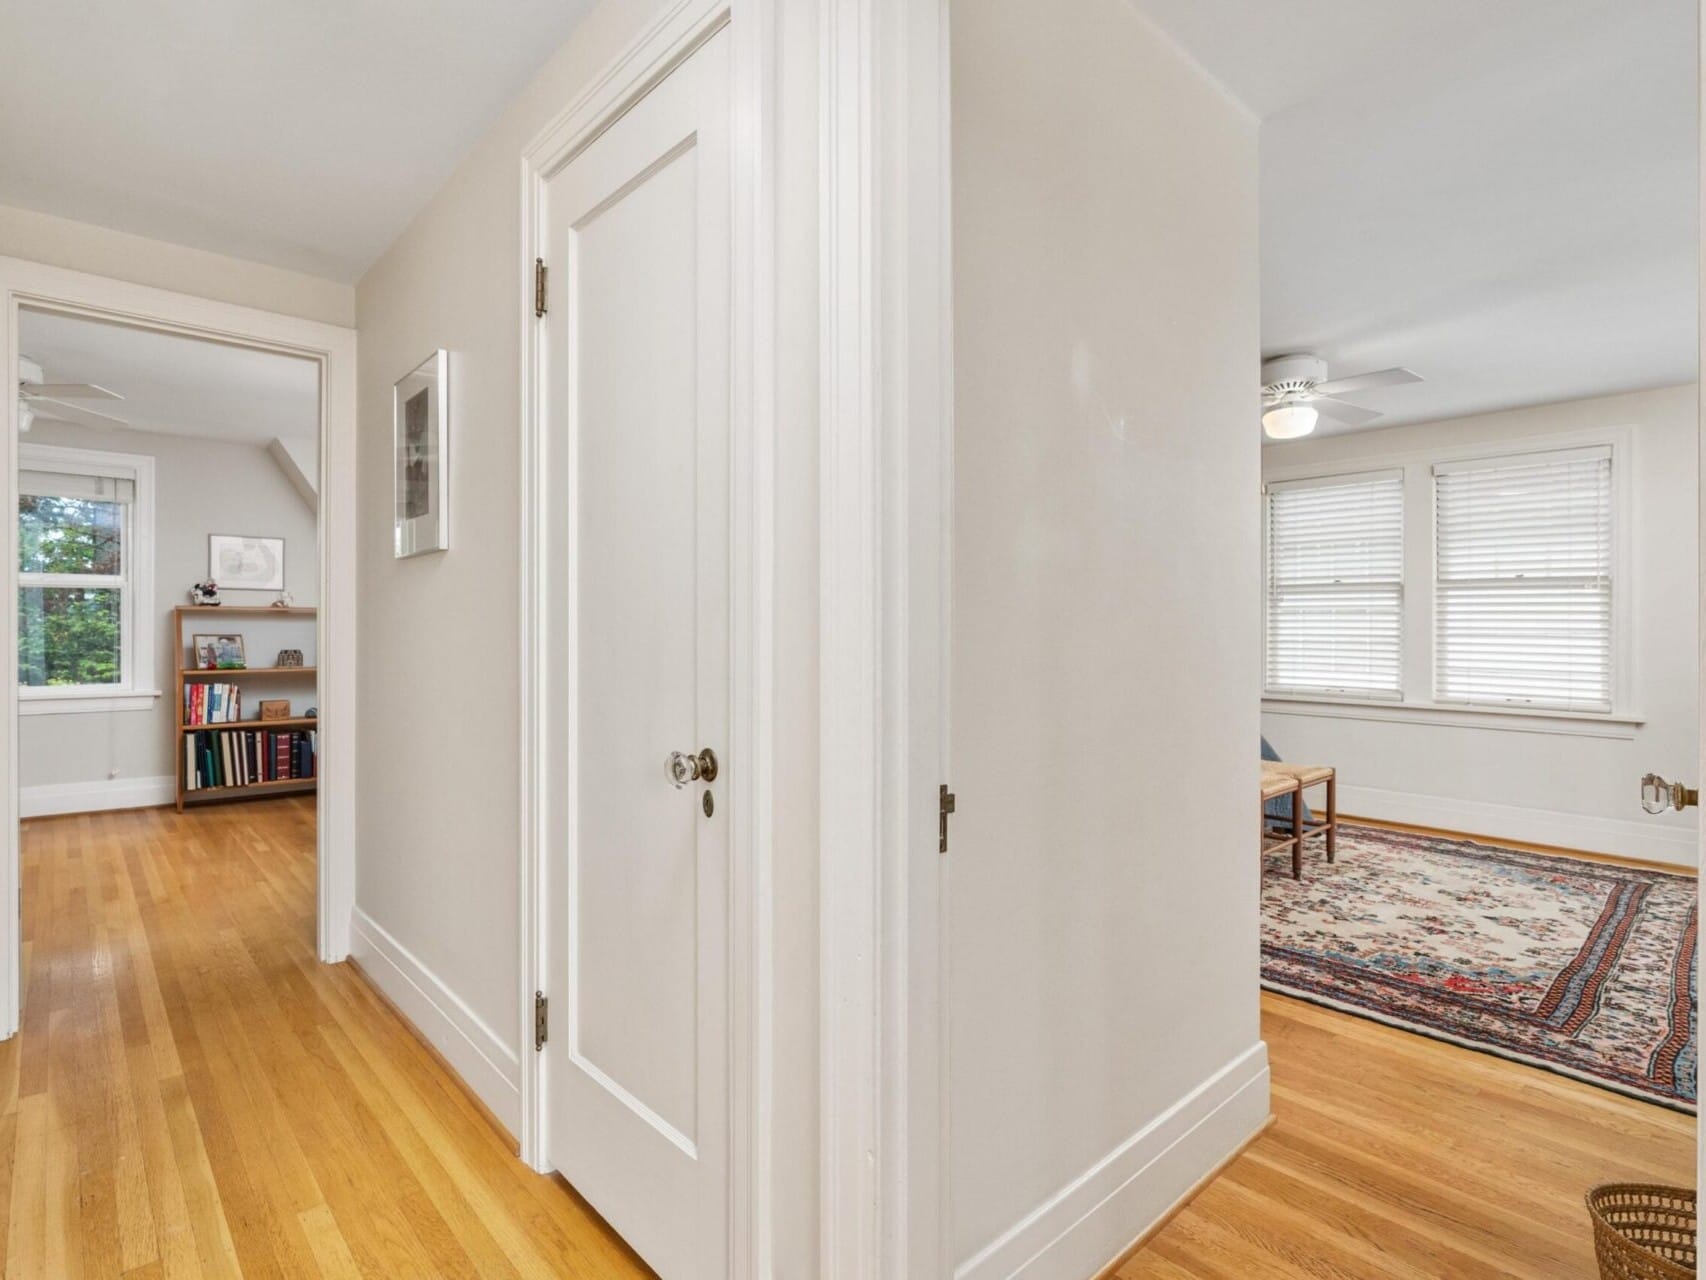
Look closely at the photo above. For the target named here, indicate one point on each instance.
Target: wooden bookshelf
(187, 620)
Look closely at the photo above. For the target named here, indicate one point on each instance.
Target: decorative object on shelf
(313, 713)
(275, 708)
(285, 600)
(204, 593)
(219, 653)
(246, 564)
(289, 658)
(420, 419)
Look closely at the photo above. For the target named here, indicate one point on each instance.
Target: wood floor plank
(193, 1094)
(1396, 1155)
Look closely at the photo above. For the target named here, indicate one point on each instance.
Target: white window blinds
(1522, 565)
(1335, 591)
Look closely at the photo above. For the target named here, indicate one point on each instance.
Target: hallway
(193, 1094)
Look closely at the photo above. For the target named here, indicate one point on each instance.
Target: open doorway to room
(1480, 509)
(169, 579)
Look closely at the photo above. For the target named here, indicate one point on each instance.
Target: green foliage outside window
(69, 635)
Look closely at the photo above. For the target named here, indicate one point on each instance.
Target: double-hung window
(84, 580)
(1523, 608)
(1335, 586)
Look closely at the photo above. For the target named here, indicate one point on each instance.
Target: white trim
(670, 39)
(84, 700)
(96, 796)
(885, 449)
(477, 1053)
(333, 349)
(1647, 838)
(1457, 715)
(137, 626)
(1089, 1222)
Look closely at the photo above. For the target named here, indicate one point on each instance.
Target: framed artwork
(239, 563)
(420, 410)
(218, 653)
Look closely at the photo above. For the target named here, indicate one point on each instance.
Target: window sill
(84, 701)
(1584, 724)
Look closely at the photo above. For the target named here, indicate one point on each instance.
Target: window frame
(1334, 479)
(1418, 703)
(1617, 585)
(137, 691)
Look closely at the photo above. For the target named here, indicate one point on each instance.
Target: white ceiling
(1501, 196)
(179, 385)
(301, 133)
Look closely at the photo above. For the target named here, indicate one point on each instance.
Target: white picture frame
(420, 438)
(241, 563)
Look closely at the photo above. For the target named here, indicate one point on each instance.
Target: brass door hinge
(538, 287)
(944, 806)
(540, 1021)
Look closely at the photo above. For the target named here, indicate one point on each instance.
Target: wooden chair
(1274, 785)
(1310, 775)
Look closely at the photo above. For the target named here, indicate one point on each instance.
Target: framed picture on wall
(420, 410)
(239, 563)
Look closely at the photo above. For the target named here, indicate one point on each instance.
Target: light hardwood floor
(1395, 1157)
(193, 1094)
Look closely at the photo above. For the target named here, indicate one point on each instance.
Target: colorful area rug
(1580, 967)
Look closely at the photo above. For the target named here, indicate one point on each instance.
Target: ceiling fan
(41, 400)
(1296, 393)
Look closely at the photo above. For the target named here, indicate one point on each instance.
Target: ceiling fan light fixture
(1289, 421)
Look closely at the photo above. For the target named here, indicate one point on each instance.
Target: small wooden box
(275, 709)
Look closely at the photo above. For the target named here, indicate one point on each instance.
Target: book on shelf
(212, 703)
(243, 757)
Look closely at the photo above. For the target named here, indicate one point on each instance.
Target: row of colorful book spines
(239, 759)
(212, 703)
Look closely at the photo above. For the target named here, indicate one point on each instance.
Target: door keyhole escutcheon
(682, 768)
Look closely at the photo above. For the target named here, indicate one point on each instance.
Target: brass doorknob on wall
(1657, 795)
(682, 768)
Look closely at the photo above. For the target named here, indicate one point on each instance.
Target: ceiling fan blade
(1367, 382)
(77, 411)
(73, 390)
(1348, 415)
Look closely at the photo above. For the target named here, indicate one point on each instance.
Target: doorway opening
(168, 452)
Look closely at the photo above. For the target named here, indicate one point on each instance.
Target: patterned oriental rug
(1584, 968)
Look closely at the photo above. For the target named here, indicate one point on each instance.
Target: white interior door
(637, 355)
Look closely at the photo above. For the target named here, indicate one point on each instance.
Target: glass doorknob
(682, 768)
(1657, 795)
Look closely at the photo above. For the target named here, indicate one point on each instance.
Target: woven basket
(1643, 1232)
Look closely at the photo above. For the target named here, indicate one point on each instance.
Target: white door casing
(636, 452)
(333, 349)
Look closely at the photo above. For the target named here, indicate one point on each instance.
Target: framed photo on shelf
(420, 413)
(218, 653)
(240, 563)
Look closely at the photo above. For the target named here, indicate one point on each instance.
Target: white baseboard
(487, 1065)
(1653, 839)
(1095, 1217)
(95, 797)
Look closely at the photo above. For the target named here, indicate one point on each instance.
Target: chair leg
(1297, 834)
(1332, 815)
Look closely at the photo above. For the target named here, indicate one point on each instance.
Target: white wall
(1104, 1020)
(1551, 782)
(201, 486)
(81, 246)
(437, 871)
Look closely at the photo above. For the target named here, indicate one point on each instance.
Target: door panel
(636, 350)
